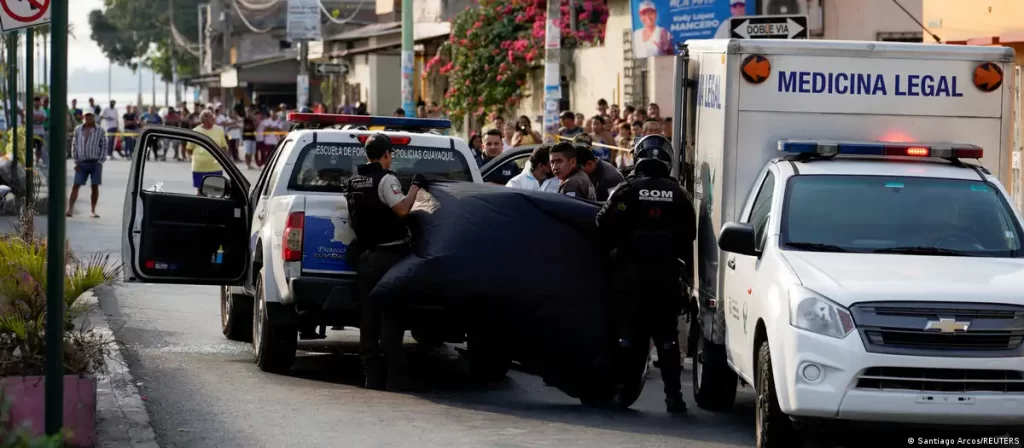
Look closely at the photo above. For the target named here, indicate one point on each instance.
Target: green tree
(130, 31)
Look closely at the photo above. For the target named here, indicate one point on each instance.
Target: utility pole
(408, 59)
(110, 74)
(152, 74)
(30, 122)
(174, 55)
(552, 77)
(302, 82)
(55, 226)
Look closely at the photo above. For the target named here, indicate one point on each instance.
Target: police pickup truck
(278, 248)
(858, 259)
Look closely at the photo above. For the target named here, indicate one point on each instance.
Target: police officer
(377, 208)
(650, 224)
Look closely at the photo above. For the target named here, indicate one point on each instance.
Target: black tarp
(526, 264)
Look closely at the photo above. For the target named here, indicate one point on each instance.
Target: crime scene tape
(136, 134)
(599, 145)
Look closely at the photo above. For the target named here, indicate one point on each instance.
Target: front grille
(899, 328)
(942, 380)
(996, 340)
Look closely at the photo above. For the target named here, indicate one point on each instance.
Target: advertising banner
(659, 26)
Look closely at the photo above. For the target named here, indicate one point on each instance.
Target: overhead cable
(234, 3)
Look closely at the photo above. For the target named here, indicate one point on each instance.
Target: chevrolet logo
(947, 325)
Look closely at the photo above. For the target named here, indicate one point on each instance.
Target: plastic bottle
(220, 255)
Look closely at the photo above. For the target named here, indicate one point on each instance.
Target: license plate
(945, 399)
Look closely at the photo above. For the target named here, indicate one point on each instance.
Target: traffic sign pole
(56, 222)
(29, 112)
(12, 99)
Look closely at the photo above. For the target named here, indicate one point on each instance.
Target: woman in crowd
(525, 135)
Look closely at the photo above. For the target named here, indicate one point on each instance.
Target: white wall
(864, 19)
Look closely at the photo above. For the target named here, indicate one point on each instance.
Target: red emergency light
(941, 151)
(369, 120)
(395, 139)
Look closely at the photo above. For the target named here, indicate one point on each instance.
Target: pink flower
(467, 82)
(498, 78)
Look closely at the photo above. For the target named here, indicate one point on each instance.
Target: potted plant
(23, 335)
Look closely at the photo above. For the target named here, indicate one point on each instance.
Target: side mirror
(214, 187)
(738, 238)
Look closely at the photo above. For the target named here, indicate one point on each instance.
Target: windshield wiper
(921, 250)
(816, 247)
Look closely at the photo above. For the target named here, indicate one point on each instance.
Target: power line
(234, 4)
(918, 22)
(345, 20)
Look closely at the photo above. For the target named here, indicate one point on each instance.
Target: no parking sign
(20, 14)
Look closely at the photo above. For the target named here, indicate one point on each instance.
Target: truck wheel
(235, 315)
(714, 382)
(489, 359)
(273, 346)
(627, 393)
(774, 429)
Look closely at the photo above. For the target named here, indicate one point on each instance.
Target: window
(761, 210)
(898, 215)
(910, 37)
(327, 166)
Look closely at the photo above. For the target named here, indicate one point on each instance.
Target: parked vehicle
(851, 264)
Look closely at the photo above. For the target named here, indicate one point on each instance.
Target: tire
(273, 346)
(714, 382)
(622, 395)
(235, 315)
(774, 429)
(489, 359)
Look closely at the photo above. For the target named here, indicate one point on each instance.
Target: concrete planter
(26, 395)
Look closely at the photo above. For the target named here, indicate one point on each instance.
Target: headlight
(812, 312)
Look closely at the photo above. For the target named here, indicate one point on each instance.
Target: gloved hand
(420, 181)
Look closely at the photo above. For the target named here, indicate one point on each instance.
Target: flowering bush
(492, 47)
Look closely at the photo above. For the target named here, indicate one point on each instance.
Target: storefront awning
(276, 70)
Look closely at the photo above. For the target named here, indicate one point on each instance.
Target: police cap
(377, 145)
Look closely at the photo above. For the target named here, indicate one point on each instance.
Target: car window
(328, 166)
(882, 213)
(508, 169)
(760, 212)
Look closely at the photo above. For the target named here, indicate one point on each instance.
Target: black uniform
(650, 224)
(381, 241)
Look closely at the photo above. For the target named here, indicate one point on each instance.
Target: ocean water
(129, 98)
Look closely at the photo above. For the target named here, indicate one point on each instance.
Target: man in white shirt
(536, 174)
(108, 119)
(738, 8)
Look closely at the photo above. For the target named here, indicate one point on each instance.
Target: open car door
(185, 230)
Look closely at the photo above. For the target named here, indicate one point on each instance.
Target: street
(204, 390)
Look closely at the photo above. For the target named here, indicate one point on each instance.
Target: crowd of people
(611, 131)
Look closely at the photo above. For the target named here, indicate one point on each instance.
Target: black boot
(674, 404)
(375, 376)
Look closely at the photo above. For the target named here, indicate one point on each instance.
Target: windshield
(327, 166)
(910, 215)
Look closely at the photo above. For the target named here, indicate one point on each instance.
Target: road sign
(769, 27)
(332, 69)
(303, 22)
(20, 14)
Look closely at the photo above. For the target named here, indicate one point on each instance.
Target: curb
(121, 416)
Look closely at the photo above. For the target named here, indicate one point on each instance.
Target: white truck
(858, 259)
(277, 248)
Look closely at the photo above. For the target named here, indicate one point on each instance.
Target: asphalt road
(203, 390)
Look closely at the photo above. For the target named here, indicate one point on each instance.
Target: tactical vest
(372, 220)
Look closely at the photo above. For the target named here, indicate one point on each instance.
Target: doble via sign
(21, 14)
(769, 27)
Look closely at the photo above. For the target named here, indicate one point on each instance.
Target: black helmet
(651, 149)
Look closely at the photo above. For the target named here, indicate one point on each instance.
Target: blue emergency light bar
(370, 120)
(885, 149)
